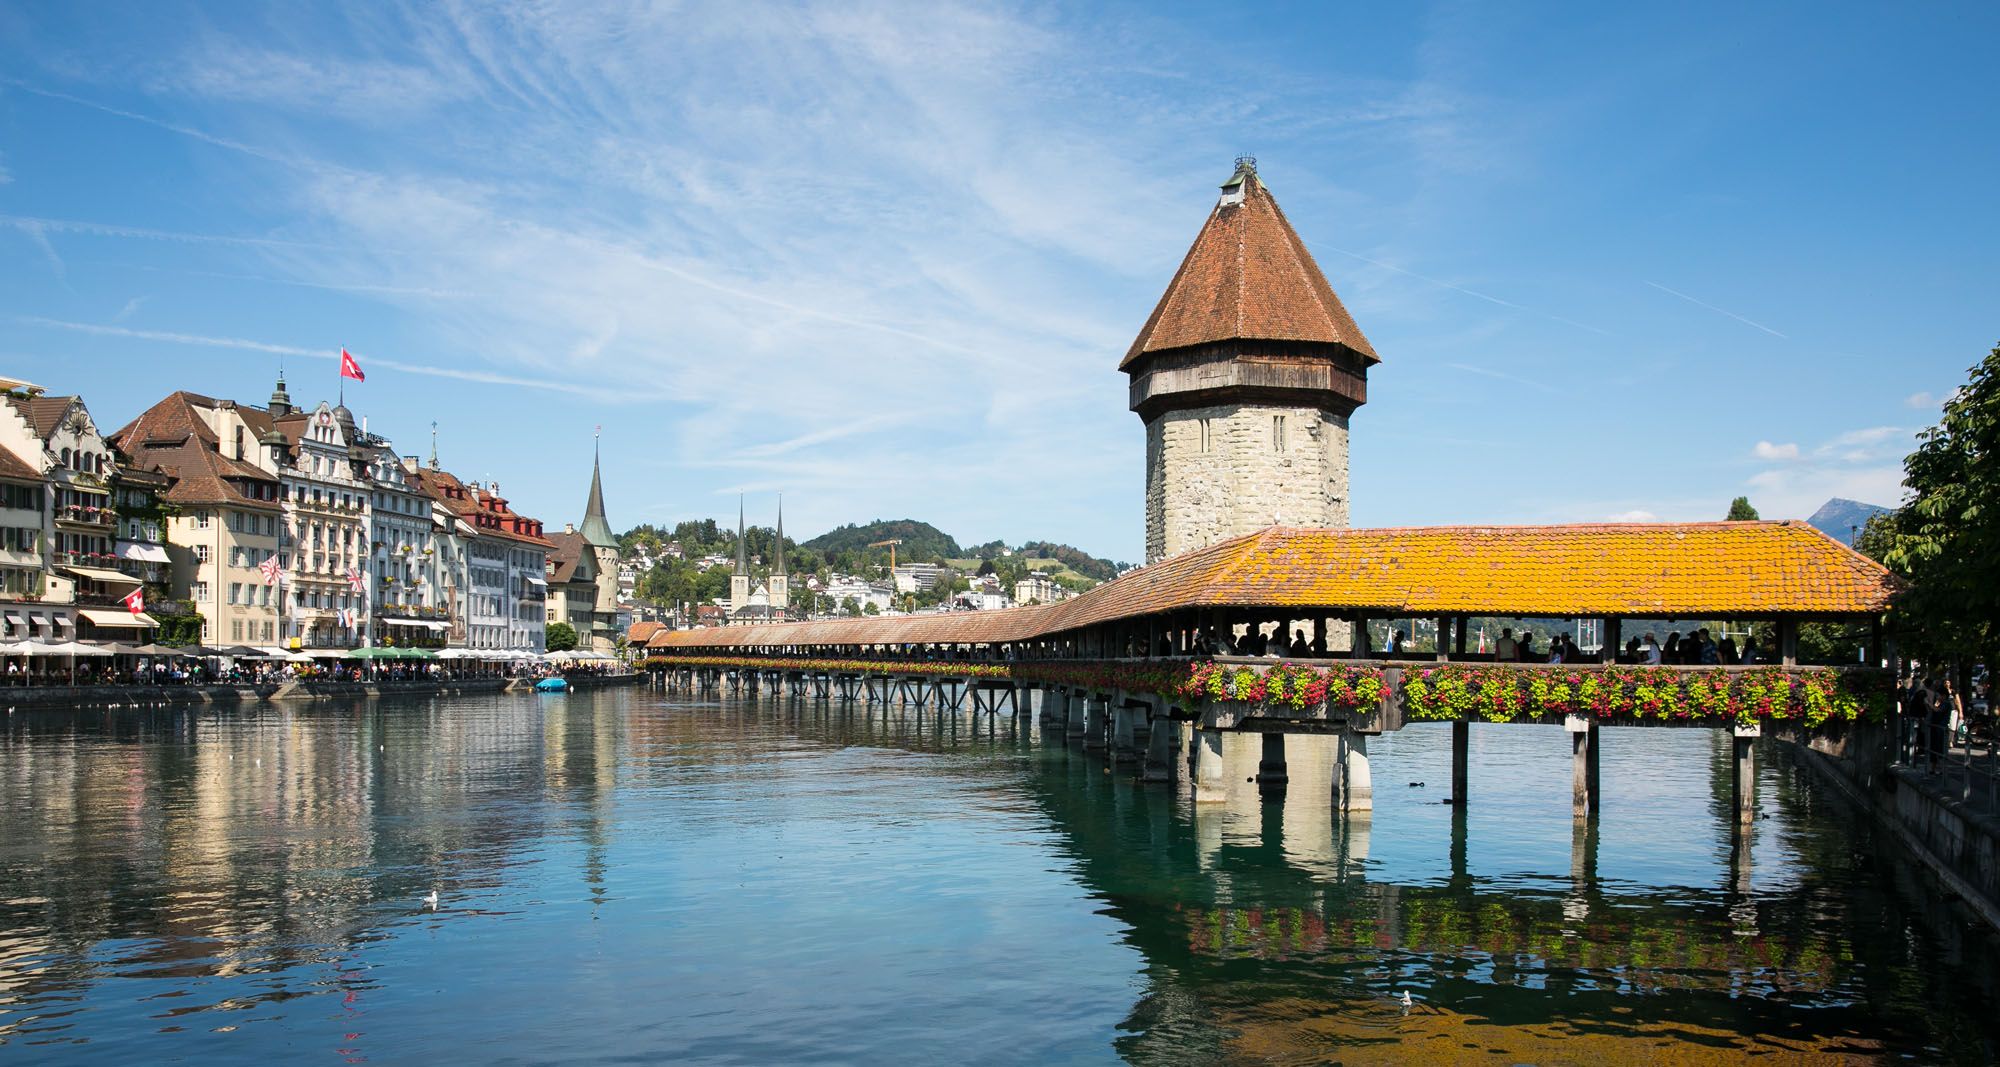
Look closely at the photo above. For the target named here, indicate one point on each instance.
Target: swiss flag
(135, 601)
(349, 368)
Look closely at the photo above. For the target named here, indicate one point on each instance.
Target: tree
(559, 637)
(1741, 511)
(870, 609)
(1945, 539)
(850, 607)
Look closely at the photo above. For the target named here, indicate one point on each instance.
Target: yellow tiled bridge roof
(1666, 570)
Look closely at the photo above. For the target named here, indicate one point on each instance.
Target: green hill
(921, 541)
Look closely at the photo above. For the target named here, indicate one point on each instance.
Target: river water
(629, 877)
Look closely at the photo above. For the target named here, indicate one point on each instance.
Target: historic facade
(1245, 376)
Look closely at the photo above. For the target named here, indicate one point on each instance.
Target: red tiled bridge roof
(1667, 570)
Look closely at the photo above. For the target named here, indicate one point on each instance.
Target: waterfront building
(572, 571)
(224, 513)
(504, 563)
(403, 575)
(1245, 376)
(24, 538)
(82, 587)
(449, 563)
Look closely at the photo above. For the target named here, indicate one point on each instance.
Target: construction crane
(890, 544)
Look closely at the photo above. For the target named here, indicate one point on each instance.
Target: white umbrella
(75, 648)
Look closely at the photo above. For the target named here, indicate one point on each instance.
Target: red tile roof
(13, 466)
(1248, 277)
(1671, 570)
(44, 413)
(483, 511)
(204, 477)
(565, 552)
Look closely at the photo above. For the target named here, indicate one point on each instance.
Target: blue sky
(1619, 261)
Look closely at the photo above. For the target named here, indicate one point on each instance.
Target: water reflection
(622, 876)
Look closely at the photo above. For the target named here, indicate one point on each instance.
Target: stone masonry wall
(1242, 481)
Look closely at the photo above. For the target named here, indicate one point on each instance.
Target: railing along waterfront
(1810, 696)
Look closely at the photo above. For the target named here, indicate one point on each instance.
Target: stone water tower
(1245, 376)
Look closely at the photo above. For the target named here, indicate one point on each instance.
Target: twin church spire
(777, 587)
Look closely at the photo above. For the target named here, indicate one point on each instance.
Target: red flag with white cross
(135, 601)
(349, 368)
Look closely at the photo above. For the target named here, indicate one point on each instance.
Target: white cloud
(1919, 400)
(1634, 515)
(1863, 464)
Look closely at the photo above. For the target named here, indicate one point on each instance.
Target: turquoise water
(625, 877)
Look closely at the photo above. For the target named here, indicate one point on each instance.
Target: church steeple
(742, 542)
(281, 401)
(596, 529)
(780, 583)
(739, 583)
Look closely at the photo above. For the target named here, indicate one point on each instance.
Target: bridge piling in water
(1584, 743)
(1461, 753)
(1210, 785)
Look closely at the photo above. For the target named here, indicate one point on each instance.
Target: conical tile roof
(1248, 277)
(596, 528)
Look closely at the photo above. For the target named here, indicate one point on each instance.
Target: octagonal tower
(1245, 376)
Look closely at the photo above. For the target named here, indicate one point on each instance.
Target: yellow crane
(890, 544)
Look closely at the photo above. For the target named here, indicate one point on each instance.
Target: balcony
(87, 515)
(107, 560)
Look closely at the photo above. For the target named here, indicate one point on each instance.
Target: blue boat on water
(552, 685)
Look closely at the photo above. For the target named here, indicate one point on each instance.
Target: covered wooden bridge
(1155, 647)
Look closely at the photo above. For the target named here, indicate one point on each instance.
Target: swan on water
(431, 902)
(1406, 998)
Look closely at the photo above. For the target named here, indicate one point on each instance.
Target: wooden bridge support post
(1075, 720)
(1583, 745)
(1461, 752)
(1210, 785)
(1744, 775)
(1123, 748)
(1160, 751)
(1353, 784)
(1271, 774)
(1093, 722)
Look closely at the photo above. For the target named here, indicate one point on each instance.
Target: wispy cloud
(1699, 303)
(1770, 451)
(1474, 293)
(245, 344)
(1488, 372)
(1920, 400)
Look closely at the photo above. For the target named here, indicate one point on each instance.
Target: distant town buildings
(1039, 588)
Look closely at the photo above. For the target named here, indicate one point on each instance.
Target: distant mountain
(1842, 520)
(921, 540)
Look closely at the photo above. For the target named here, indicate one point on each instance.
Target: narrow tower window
(1278, 432)
(1204, 435)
